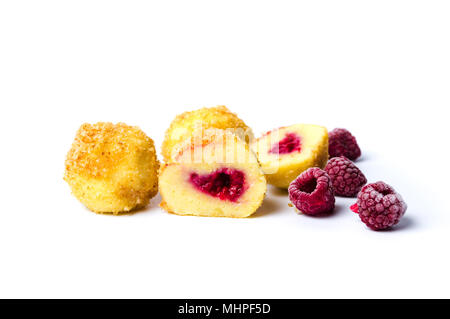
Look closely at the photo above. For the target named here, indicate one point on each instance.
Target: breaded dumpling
(112, 168)
(286, 152)
(205, 118)
(214, 175)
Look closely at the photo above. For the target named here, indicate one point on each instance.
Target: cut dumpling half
(286, 152)
(214, 173)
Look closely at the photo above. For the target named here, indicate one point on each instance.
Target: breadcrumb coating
(185, 124)
(112, 168)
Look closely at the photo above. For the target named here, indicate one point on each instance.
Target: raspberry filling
(225, 183)
(290, 143)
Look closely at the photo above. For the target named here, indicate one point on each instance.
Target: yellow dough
(282, 168)
(214, 174)
(112, 168)
(218, 117)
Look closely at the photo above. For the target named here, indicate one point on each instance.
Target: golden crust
(112, 168)
(185, 124)
(200, 139)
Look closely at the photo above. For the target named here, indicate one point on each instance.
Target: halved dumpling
(286, 152)
(212, 175)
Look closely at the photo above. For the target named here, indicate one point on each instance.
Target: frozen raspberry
(347, 179)
(343, 143)
(379, 206)
(312, 192)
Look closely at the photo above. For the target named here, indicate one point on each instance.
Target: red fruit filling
(225, 183)
(290, 143)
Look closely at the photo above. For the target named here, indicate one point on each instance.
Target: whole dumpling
(112, 168)
(185, 124)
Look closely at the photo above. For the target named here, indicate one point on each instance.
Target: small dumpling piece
(185, 124)
(214, 173)
(112, 168)
(286, 152)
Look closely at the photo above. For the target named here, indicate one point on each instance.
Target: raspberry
(290, 143)
(379, 206)
(343, 143)
(225, 183)
(347, 179)
(312, 192)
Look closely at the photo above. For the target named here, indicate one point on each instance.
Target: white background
(379, 68)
